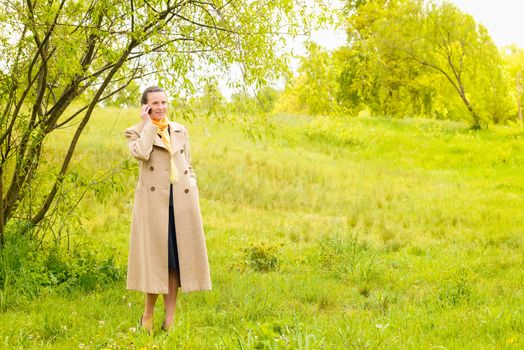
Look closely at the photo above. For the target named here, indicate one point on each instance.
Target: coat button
(152, 168)
(181, 151)
(186, 190)
(152, 188)
(185, 171)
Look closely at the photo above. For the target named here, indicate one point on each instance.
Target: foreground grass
(376, 234)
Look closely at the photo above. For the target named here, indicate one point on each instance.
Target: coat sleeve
(140, 143)
(188, 156)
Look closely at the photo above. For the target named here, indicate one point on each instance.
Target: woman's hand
(144, 114)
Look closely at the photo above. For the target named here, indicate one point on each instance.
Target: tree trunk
(476, 120)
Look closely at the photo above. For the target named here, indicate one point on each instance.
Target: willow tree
(412, 40)
(514, 57)
(59, 59)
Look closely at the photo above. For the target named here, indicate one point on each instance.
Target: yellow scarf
(163, 132)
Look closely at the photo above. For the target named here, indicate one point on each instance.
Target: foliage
(415, 43)
(27, 272)
(407, 58)
(62, 58)
(278, 335)
(514, 59)
(211, 101)
(317, 88)
(260, 258)
(267, 97)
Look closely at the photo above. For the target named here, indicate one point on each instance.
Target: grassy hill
(358, 233)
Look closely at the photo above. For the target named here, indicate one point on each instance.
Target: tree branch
(45, 207)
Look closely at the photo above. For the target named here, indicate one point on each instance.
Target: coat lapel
(177, 136)
(159, 143)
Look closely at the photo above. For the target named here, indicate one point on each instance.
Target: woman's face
(158, 102)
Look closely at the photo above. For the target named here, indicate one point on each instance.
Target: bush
(80, 270)
(260, 258)
(27, 270)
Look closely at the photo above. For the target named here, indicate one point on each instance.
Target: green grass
(365, 233)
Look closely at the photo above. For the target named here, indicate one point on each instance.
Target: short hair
(149, 90)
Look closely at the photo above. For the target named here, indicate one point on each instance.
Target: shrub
(26, 270)
(259, 257)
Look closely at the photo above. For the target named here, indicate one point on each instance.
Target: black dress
(172, 247)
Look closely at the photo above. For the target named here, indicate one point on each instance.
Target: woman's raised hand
(144, 114)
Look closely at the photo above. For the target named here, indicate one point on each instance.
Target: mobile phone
(149, 111)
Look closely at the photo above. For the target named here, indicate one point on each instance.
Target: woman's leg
(170, 298)
(149, 307)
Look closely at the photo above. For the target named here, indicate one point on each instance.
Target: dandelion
(511, 340)
(132, 329)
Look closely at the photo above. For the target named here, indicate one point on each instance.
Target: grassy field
(365, 233)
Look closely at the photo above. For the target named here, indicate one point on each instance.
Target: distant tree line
(411, 58)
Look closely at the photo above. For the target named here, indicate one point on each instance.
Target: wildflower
(510, 340)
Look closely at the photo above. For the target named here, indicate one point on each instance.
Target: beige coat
(148, 247)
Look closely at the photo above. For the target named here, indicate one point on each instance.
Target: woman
(167, 247)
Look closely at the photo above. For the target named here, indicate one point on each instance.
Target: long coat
(148, 246)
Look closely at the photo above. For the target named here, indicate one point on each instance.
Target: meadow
(334, 233)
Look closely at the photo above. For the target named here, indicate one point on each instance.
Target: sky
(502, 18)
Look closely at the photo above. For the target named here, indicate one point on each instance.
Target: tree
(315, 87)
(514, 57)
(467, 57)
(267, 97)
(211, 100)
(400, 35)
(56, 55)
(376, 77)
(386, 84)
